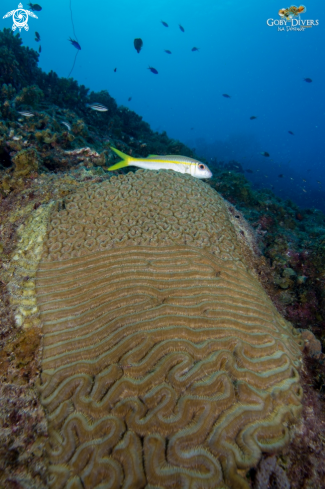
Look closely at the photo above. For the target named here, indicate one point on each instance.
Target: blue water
(261, 68)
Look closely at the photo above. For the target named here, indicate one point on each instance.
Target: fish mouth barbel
(181, 164)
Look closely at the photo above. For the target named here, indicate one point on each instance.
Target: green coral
(79, 128)
(31, 95)
(7, 92)
(64, 92)
(18, 64)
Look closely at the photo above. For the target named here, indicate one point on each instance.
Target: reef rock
(26, 162)
(165, 364)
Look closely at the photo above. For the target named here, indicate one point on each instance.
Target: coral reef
(42, 160)
(270, 474)
(18, 64)
(292, 241)
(152, 322)
(26, 162)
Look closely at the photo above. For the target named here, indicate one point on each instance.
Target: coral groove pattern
(165, 364)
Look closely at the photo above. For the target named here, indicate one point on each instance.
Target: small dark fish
(40, 49)
(195, 49)
(167, 51)
(25, 113)
(192, 128)
(115, 70)
(37, 37)
(290, 132)
(308, 80)
(181, 28)
(226, 95)
(129, 99)
(138, 43)
(153, 70)
(164, 23)
(249, 171)
(35, 7)
(280, 176)
(265, 153)
(253, 117)
(97, 106)
(75, 43)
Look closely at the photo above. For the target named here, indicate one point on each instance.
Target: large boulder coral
(165, 364)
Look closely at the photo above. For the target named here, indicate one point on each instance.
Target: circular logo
(20, 18)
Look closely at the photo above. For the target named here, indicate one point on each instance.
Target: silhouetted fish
(308, 80)
(75, 43)
(253, 117)
(226, 95)
(153, 70)
(138, 43)
(280, 176)
(164, 23)
(37, 37)
(195, 49)
(35, 7)
(290, 132)
(129, 99)
(265, 153)
(181, 28)
(249, 171)
(167, 51)
(115, 70)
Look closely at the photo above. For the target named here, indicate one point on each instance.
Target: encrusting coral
(164, 361)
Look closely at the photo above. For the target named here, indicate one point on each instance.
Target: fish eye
(201, 166)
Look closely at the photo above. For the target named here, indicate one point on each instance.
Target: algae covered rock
(7, 92)
(26, 162)
(30, 95)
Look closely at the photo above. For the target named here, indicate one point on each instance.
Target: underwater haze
(262, 69)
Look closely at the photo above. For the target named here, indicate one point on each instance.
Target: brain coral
(165, 364)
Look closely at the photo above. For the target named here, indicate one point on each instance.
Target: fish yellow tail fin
(126, 160)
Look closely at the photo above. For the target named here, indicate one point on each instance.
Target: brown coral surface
(164, 363)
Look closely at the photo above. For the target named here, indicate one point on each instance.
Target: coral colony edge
(157, 330)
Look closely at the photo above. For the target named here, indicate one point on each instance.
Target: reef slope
(165, 363)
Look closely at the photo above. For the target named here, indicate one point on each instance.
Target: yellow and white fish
(182, 164)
